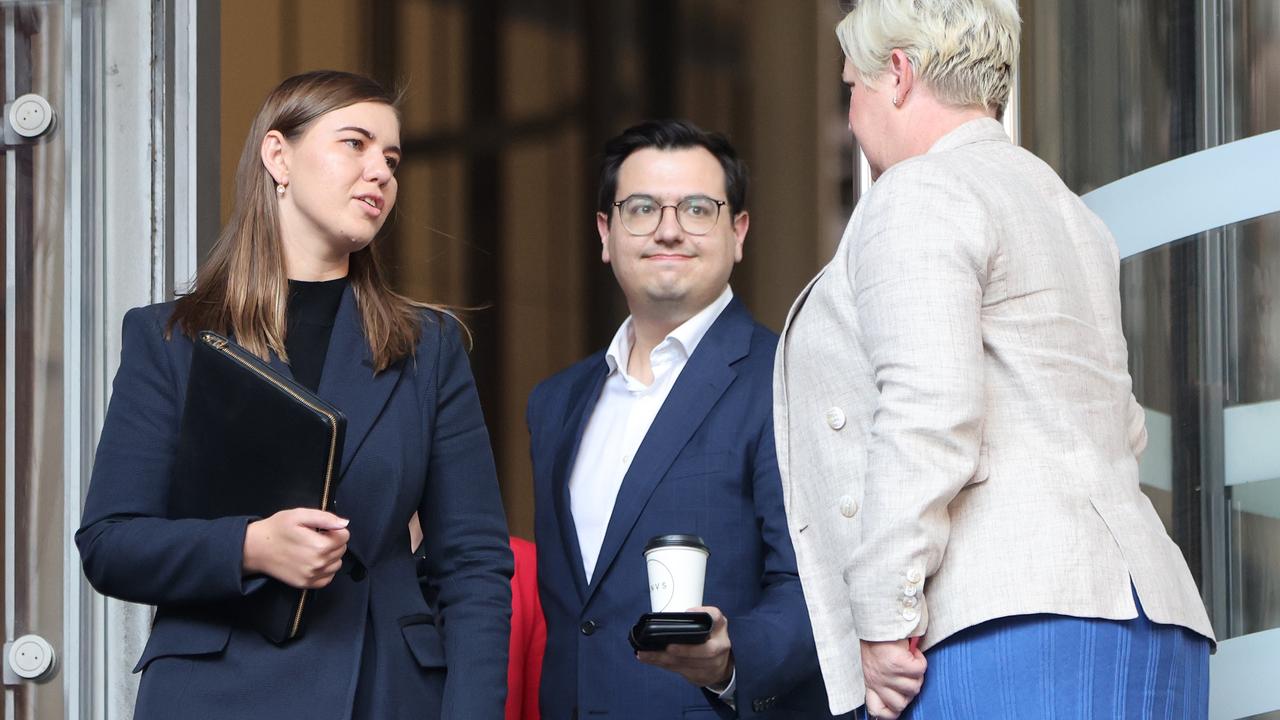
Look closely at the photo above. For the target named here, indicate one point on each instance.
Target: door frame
(148, 153)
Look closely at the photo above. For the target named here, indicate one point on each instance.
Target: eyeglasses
(641, 214)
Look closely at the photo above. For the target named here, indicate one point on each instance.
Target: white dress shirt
(618, 424)
(620, 421)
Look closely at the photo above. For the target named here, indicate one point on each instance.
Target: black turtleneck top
(312, 309)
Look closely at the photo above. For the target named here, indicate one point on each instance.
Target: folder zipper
(225, 348)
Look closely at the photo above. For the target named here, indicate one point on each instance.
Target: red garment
(528, 635)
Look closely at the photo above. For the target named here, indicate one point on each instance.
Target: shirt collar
(686, 336)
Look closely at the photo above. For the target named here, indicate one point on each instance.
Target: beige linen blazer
(956, 431)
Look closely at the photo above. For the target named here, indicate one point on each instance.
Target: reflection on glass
(1252, 453)
(1129, 100)
(1257, 65)
(1256, 350)
(1159, 293)
(1255, 523)
(1169, 325)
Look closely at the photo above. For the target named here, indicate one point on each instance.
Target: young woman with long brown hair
(295, 280)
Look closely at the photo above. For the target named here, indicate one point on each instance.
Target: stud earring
(896, 101)
(280, 189)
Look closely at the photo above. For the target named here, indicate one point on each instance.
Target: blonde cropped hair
(964, 50)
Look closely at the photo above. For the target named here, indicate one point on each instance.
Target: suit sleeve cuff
(899, 614)
(247, 583)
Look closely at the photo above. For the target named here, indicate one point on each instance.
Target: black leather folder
(253, 442)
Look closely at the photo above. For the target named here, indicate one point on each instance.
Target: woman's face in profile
(867, 117)
(342, 181)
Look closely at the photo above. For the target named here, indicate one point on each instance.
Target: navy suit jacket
(415, 441)
(706, 467)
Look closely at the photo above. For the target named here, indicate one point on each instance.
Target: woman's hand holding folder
(301, 547)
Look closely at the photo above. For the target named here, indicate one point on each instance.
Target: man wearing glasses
(669, 430)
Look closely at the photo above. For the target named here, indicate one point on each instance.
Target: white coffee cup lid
(689, 541)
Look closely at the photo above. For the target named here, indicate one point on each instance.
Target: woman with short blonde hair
(975, 486)
(964, 50)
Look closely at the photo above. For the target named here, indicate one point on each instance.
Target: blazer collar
(980, 130)
(582, 398)
(705, 377)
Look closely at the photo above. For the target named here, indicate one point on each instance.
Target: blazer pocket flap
(424, 642)
(174, 635)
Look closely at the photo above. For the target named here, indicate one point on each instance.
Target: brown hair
(242, 288)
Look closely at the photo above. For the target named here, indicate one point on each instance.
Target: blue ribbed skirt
(1052, 666)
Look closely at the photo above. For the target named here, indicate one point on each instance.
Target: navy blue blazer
(706, 467)
(415, 441)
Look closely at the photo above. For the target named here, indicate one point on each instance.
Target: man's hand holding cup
(677, 567)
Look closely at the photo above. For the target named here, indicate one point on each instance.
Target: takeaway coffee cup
(677, 568)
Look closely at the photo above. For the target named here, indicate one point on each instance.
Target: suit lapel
(348, 381)
(780, 408)
(799, 301)
(705, 377)
(582, 399)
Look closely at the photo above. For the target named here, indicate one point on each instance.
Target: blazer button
(589, 627)
(914, 576)
(909, 614)
(848, 506)
(835, 418)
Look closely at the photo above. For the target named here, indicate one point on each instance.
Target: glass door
(1199, 290)
(41, 223)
